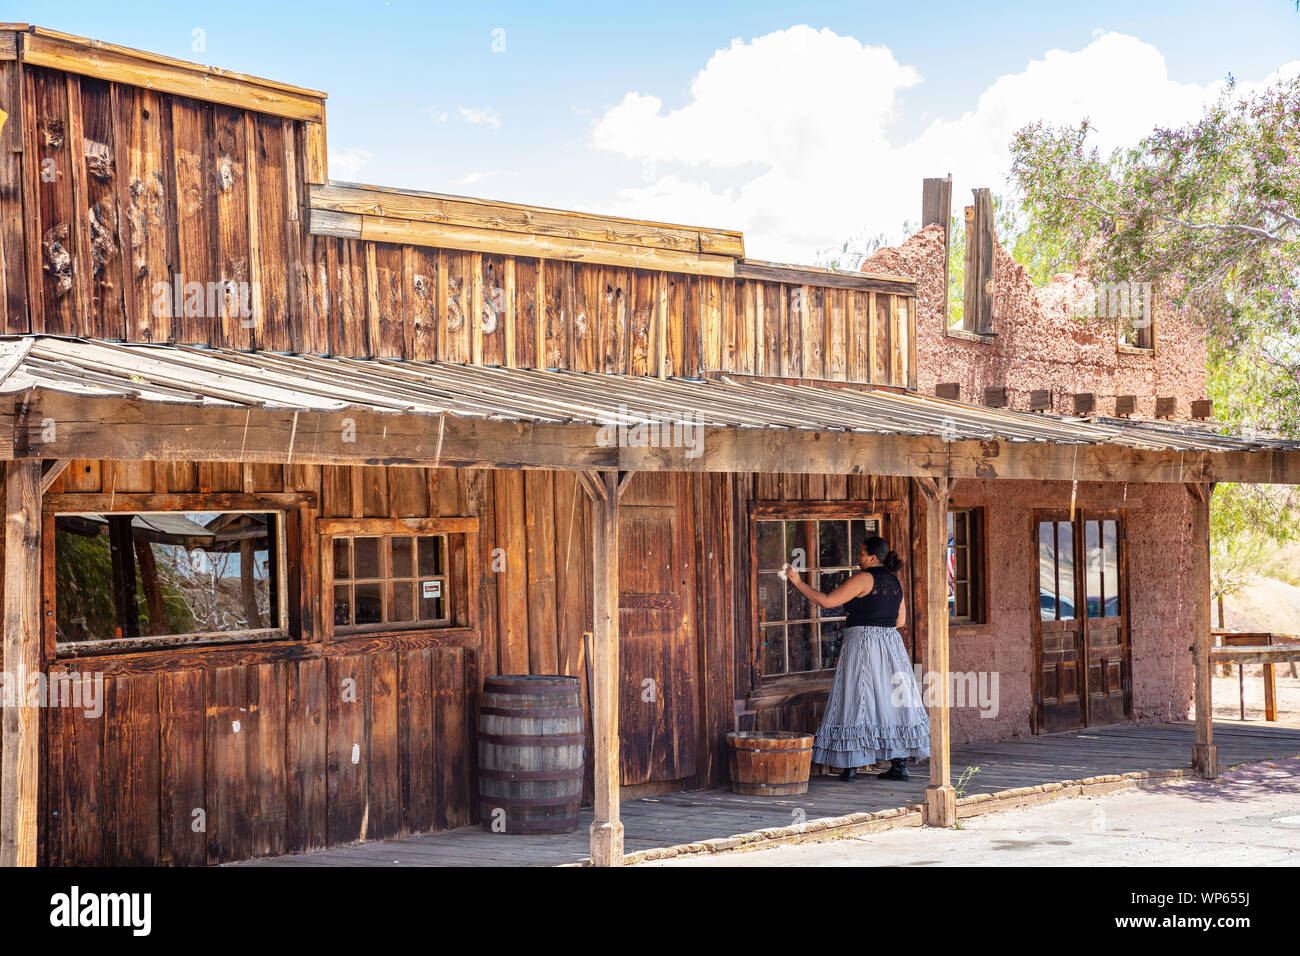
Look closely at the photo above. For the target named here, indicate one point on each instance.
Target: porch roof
(162, 396)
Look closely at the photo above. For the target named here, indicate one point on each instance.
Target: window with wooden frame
(1135, 313)
(794, 635)
(966, 598)
(135, 572)
(390, 574)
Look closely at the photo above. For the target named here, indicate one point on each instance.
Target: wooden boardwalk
(691, 816)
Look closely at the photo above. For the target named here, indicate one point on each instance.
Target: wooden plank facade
(139, 205)
(206, 755)
(147, 201)
(163, 218)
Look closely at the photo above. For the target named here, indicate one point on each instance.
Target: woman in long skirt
(875, 710)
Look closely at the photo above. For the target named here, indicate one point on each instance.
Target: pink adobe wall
(1039, 343)
(1160, 593)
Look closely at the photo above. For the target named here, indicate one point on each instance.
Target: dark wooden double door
(1082, 672)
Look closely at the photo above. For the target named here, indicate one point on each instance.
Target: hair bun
(892, 561)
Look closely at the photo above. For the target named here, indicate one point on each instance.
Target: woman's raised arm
(856, 586)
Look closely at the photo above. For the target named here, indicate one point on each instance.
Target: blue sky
(818, 124)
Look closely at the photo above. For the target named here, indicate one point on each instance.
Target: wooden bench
(1256, 648)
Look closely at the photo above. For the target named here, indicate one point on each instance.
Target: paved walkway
(693, 816)
(1247, 817)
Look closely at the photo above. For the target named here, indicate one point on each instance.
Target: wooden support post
(1270, 694)
(606, 830)
(940, 797)
(1205, 756)
(19, 773)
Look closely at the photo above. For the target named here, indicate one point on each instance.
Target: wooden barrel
(771, 763)
(530, 754)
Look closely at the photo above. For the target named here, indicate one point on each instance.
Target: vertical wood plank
(20, 749)
(183, 806)
(512, 578)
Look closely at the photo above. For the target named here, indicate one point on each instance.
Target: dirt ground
(1227, 696)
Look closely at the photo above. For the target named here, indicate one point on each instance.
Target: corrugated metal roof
(175, 374)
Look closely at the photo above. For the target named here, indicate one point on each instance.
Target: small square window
(397, 580)
(966, 565)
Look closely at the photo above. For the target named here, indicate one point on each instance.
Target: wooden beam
(624, 479)
(61, 51)
(51, 470)
(132, 430)
(500, 242)
(593, 484)
(940, 808)
(606, 829)
(1205, 756)
(418, 206)
(826, 278)
(20, 745)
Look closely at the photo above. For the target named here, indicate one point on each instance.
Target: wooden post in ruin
(977, 313)
(936, 209)
(19, 769)
(1205, 756)
(940, 797)
(603, 489)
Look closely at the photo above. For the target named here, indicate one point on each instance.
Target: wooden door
(1058, 637)
(1105, 619)
(1081, 644)
(657, 654)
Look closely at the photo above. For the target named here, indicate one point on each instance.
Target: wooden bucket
(530, 754)
(770, 763)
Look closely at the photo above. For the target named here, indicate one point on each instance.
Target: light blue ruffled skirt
(875, 710)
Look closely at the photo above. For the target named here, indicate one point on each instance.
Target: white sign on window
(432, 589)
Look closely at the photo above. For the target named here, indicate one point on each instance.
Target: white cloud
(480, 117)
(348, 163)
(787, 136)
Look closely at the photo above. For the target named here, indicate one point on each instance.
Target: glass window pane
(832, 639)
(1065, 560)
(433, 607)
(365, 552)
(1047, 570)
(802, 640)
(830, 580)
(403, 558)
(342, 558)
(186, 573)
(401, 601)
(833, 544)
(1092, 555)
(771, 545)
(771, 598)
(369, 603)
(773, 649)
(860, 531)
(800, 549)
(342, 605)
(1110, 568)
(431, 558)
(798, 607)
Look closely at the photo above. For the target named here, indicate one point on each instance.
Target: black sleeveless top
(879, 608)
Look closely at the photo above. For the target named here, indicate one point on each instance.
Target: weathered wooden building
(294, 464)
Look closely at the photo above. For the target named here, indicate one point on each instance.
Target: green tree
(1209, 210)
